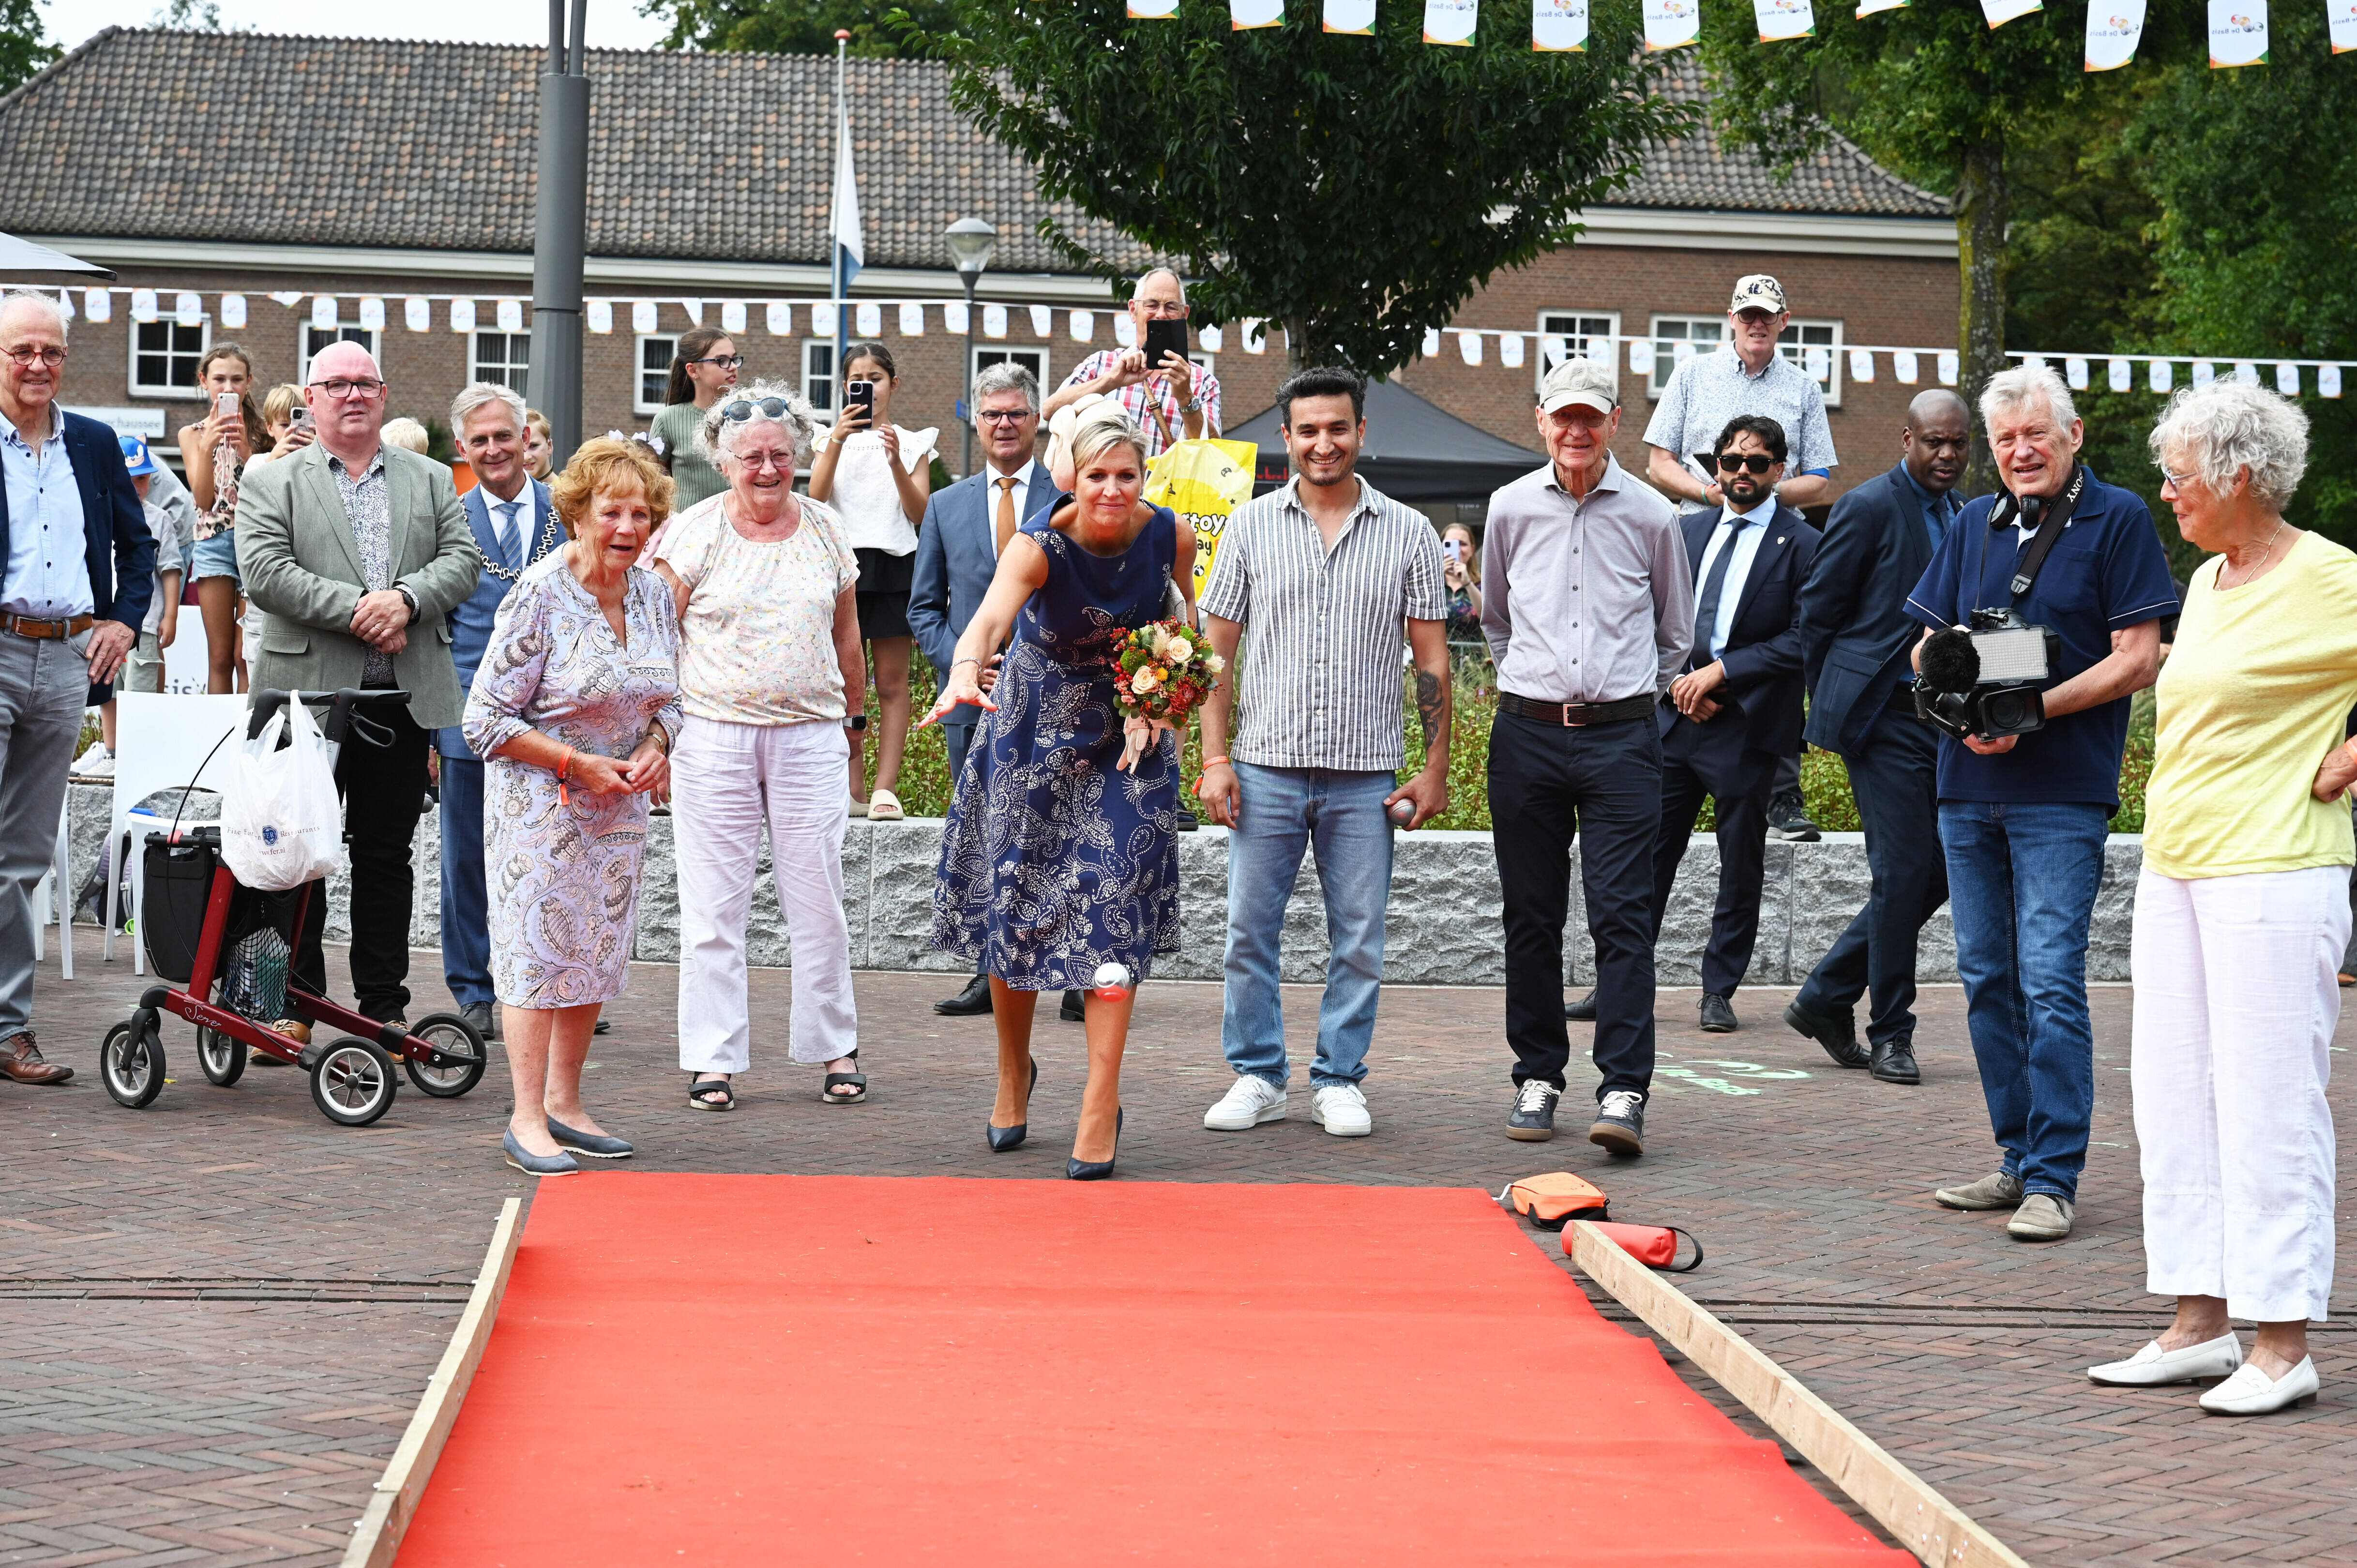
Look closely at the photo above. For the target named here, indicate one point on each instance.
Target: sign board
(147, 424)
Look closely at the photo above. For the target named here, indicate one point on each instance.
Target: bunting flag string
(1354, 16)
(1672, 24)
(1560, 26)
(2238, 33)
(1451, 21)
(1246, 15)
(2000, 12)
(2341, 21)
(1861, 363)
(2114, 27)
(1783, 19)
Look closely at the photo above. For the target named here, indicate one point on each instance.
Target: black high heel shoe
(1096, 1170)
(1003, 1139)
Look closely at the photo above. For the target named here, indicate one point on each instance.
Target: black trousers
(1604, 784)
(1741, 782)
(384, 794)
(1894, 775)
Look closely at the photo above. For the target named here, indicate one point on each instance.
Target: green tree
(1934, 92)
(24, 49)
(798, 26)
(2260, 198)
(1356, 189)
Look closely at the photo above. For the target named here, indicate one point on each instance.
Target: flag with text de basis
(1559, 26)
(1451, 21)
(1781, 19)
(2341, 21)
(2114, 27)
(2238, 33)
(1672, 24)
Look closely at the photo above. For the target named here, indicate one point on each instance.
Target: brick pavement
(223, 1308)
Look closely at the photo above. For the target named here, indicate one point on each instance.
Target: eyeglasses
(1161, 310)
(743, 409)
(783, 462)
(2181, 481)
(50, 357)
(340, 388)
(1756, 463)
(1004, 415)
(725, 361)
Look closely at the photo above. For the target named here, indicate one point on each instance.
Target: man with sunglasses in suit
(1736, 711)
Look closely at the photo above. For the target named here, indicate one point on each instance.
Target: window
(501, 358)
(1034, 360)
(316, 338)
(1708, 332)
(164, 356)
(655, 356)
(818, 375)
(1584, 334)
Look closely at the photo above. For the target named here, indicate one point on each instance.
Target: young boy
(145, 671)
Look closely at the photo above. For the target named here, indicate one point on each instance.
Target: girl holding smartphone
(215, 452)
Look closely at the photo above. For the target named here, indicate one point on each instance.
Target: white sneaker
(2250, 1392)
(2153, 1366)
(1342, 1110)
(1249, 1102)
(95, 763)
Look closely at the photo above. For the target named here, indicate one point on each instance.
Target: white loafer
(2153, 1366)
(2249, 1391)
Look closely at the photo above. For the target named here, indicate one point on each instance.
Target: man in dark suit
(514, 525)
(967, 525)
(1735, 711)
(77, 569)
(1855, 636)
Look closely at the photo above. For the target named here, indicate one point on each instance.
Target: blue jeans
(465, 897)
(2023, 879)
(1284, 810)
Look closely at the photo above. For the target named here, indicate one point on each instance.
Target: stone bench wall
(1443, 926)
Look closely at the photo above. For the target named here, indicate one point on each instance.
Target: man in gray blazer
(967, 525)
(357, 552)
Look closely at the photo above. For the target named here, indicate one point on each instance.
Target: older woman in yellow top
(2241, 912)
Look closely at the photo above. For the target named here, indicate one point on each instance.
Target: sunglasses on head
(1756, 463)
(743, 409)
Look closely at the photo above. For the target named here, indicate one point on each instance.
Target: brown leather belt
(1575, 715)
(45, 630)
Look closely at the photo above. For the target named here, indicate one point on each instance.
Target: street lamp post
(560, 230)
(972, 243)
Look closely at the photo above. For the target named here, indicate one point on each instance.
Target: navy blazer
(1763, 644)
(470, 623)
(957, 556)
(117, 544)
(1855, 629)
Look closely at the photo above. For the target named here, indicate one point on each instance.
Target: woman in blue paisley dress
(573, 710)
(1058, 863)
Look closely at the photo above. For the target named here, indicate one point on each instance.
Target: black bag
(180, 885)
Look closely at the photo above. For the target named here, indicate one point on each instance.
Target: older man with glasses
(1175, 400)
(358, 552)
(77, 569)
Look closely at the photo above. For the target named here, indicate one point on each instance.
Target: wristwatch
(1192, 405)
(407, 599)
(855, 720)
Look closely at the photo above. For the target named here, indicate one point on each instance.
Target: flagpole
(835, 240)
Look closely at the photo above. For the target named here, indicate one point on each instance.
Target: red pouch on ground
(1555, 1199)
(1655, 1246)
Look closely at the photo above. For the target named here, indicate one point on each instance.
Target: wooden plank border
(377, 1538)
(1935, 1529)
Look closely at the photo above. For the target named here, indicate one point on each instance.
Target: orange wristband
(564, 772)
(1213, 761)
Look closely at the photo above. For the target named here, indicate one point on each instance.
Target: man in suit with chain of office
(514, 525)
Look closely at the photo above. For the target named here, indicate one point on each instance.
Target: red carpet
(827, 1369)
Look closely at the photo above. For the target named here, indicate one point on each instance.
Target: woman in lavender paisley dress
(1056, 862)
(574, 709)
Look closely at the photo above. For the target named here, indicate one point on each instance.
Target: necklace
(2263, 554)
(547, 543)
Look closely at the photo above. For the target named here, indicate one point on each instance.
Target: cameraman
(2023, 818)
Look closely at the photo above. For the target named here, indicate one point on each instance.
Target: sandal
(697, 1091)
(856, 1082)
(883, 806)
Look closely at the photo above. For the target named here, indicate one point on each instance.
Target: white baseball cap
(1581, 381)
(1758, 291)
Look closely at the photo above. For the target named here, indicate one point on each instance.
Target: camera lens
(2010, 712)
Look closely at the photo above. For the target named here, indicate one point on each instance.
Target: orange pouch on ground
(1655, 1246)
(1555, 1199)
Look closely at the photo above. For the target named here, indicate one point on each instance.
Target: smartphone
(1165, 335)
(862, 395)
(225, 405)
(301, 418)
(1452, 548)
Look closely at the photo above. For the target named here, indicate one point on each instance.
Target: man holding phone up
(1171, 398)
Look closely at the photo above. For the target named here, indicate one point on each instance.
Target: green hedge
(1824, 783)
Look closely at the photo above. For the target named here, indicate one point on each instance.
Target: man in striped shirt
(1325, 573)
(1175, 400)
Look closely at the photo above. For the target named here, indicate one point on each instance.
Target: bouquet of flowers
(1162, 672)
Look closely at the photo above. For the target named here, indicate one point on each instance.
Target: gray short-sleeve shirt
(1710, 389)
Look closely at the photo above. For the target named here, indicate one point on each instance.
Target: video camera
(1987, 681)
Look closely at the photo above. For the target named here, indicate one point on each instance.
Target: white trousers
(725, 778)
(2236, 999)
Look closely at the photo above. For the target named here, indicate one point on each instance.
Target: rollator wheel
(222, 1056)
(131, 1064)
(353, 1082)
(454, 1037)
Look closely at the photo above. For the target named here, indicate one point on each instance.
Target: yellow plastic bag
(1203, 481)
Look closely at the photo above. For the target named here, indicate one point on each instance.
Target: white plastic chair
(56, 884)
(163, 743)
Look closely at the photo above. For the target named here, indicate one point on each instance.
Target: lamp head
(972, 243)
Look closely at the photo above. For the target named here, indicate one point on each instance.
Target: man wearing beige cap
(1706, 392)
(1589, 608)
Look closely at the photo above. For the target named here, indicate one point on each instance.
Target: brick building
(387, 176)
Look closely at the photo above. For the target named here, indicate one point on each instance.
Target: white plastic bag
(281, 823)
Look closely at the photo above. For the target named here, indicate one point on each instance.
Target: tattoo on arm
(1432, 707)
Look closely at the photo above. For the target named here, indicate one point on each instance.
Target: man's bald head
(343, 361)
(1936, 440)
(347, 399)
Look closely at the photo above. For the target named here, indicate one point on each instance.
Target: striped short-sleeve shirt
(1318, 674)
